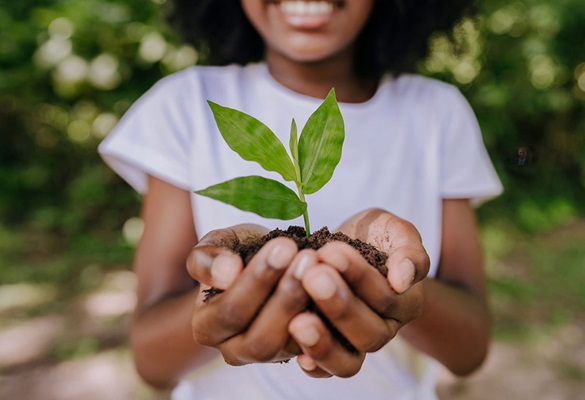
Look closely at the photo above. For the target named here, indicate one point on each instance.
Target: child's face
(308, 30)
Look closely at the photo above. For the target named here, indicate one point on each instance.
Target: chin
(307, 51)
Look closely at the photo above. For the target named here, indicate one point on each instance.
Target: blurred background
(70, 69)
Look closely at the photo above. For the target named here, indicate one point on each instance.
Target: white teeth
(306, 7)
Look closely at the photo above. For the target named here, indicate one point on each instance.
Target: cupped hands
(262, 316)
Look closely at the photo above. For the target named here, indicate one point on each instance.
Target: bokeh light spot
(103, 72)
(103, 124)
(79, 131)
(132, 230)
(61, 27)
(153, 47)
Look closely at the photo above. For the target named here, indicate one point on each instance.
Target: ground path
(549, 369)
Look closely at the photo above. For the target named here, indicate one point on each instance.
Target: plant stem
(306, 213)
(307, 227)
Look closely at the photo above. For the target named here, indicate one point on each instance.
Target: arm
(160, 337)
(455, 324)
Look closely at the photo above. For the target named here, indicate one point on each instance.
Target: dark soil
(317, 240)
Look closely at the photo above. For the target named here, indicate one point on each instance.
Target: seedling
(310, 165)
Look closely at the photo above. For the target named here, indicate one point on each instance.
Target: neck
(316, 79)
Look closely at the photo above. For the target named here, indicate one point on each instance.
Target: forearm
(162, 341)
(454, 327)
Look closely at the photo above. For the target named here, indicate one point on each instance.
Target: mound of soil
(318, 239)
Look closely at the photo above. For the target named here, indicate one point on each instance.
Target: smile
(307, 8)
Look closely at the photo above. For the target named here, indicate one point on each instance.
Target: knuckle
(406, 231)
(388, 310)
(232, 360)
(220, 237)
(201, 337)
(374, 341)
(400, 223)
(260, 351)
(349, 370)
(392, 327)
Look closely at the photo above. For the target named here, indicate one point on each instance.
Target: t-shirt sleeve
(152, 138)
(466, 170)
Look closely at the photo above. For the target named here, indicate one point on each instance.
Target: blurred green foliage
(69, 69)
(535, 280)
(523, 70)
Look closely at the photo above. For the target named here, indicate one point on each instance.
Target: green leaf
(293, 144)
(320, 145)
(252, 140)
(265, 197)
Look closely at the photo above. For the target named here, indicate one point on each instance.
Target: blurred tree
(70, 69)
(523, 70)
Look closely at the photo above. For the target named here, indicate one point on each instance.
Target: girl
(412, 147)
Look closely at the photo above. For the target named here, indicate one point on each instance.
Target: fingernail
(406, 269)
(222, 272)
(308, 336)
(321, 287)
(338, 261)
(280, 256)
(301, 263)
(307, 363)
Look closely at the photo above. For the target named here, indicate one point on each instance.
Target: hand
(366, 308)
(248, 322)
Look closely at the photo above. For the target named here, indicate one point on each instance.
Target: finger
(213, 261)
(200, 262)
(408, 261)
(408, 306)
(406, 267)
(364, 280)
(399, 239)
(233, 236)
(317, 343)
(267, 339)
(368, 285)
(214, 266)
(233, 310)
(310, 367)
(351, 316)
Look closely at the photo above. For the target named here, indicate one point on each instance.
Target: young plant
(313, 158)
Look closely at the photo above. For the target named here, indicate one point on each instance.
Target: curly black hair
(395, 38)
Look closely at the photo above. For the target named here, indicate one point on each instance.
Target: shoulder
(184, 80)
(422, 88)
(198, 83)
(438, 100)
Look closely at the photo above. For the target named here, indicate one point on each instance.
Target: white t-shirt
(413, 144)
